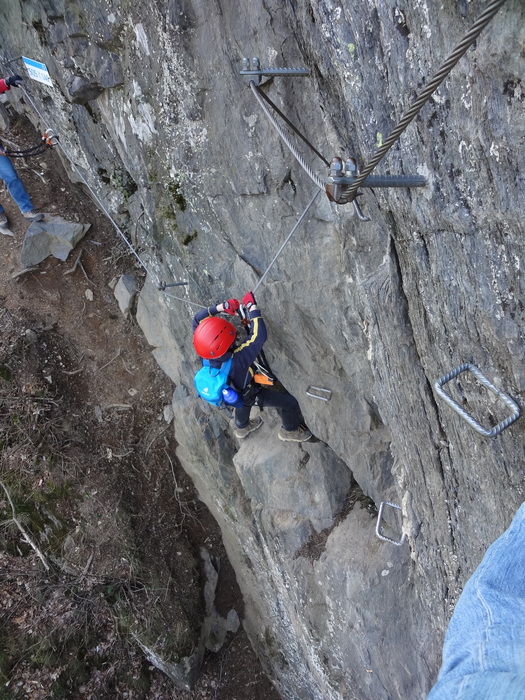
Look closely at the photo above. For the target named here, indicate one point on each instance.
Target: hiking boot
(254, 424)
(3, 220)
(299, 435)
(33, 216)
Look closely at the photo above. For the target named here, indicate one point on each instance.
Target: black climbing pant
(286, 404)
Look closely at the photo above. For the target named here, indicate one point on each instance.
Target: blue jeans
(484, 649)
(14, 185)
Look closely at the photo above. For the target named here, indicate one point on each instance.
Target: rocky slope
(151, 109)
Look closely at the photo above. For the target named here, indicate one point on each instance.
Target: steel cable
(304, 165)
(286, 241)
(292, 126)
(105, 211)
(435, 82)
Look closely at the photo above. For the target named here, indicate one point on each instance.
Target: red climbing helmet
(213, 337)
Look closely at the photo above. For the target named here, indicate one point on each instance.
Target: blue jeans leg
(484, 649)
(14, 185)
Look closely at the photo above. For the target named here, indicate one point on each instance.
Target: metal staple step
(487, 432)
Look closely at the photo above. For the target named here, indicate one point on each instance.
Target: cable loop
(304, 165)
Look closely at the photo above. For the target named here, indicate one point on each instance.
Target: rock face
(187, 163)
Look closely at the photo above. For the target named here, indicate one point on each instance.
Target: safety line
(432, 86)
(292, 126)
(106, 212)
(128, 244)
(26, 153)
(304, 165)
(287, 239)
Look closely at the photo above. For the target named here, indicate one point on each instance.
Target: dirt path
(85, 443)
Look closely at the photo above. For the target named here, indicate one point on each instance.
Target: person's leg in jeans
(286, 404)
(242, 416)
(14, 185)
(484, 649)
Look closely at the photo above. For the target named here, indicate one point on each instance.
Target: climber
(8, 173)
(214, 339)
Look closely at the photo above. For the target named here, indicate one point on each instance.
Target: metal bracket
(318, 392)
(342, 176)
(50, 137)
(359, 212)
(162, 286)
(259, 72)
(379, 531)
(497, 429)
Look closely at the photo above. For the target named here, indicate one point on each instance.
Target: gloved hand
(230, 306)
(14, 81)
(248, 300)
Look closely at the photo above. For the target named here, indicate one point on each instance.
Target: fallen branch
(75, 265)
(112, 360)
(19, 525)
(40, 176)
(23, 272)
(86, 568)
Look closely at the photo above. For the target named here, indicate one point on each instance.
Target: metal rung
(379, 531)
(256, 69)
(277, 71)
(497, 429)
(318, 392)
(163, 285)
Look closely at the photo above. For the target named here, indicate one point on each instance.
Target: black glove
(14, 81)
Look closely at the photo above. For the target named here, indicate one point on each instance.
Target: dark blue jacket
(243, 354)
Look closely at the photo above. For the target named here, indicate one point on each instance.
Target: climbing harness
(339, 180)
(379, 529)
(48, 140)
(487, 432)
(263, 374)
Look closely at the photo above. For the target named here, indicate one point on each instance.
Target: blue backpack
(210, 381)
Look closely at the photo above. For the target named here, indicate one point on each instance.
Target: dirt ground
(88, 470)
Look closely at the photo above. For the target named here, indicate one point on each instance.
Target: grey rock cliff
(183, 157)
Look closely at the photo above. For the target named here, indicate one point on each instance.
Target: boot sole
(241, 437)
(287, 439)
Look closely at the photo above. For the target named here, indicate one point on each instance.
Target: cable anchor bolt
(258, 72)
(163, 285)
(340, 184)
